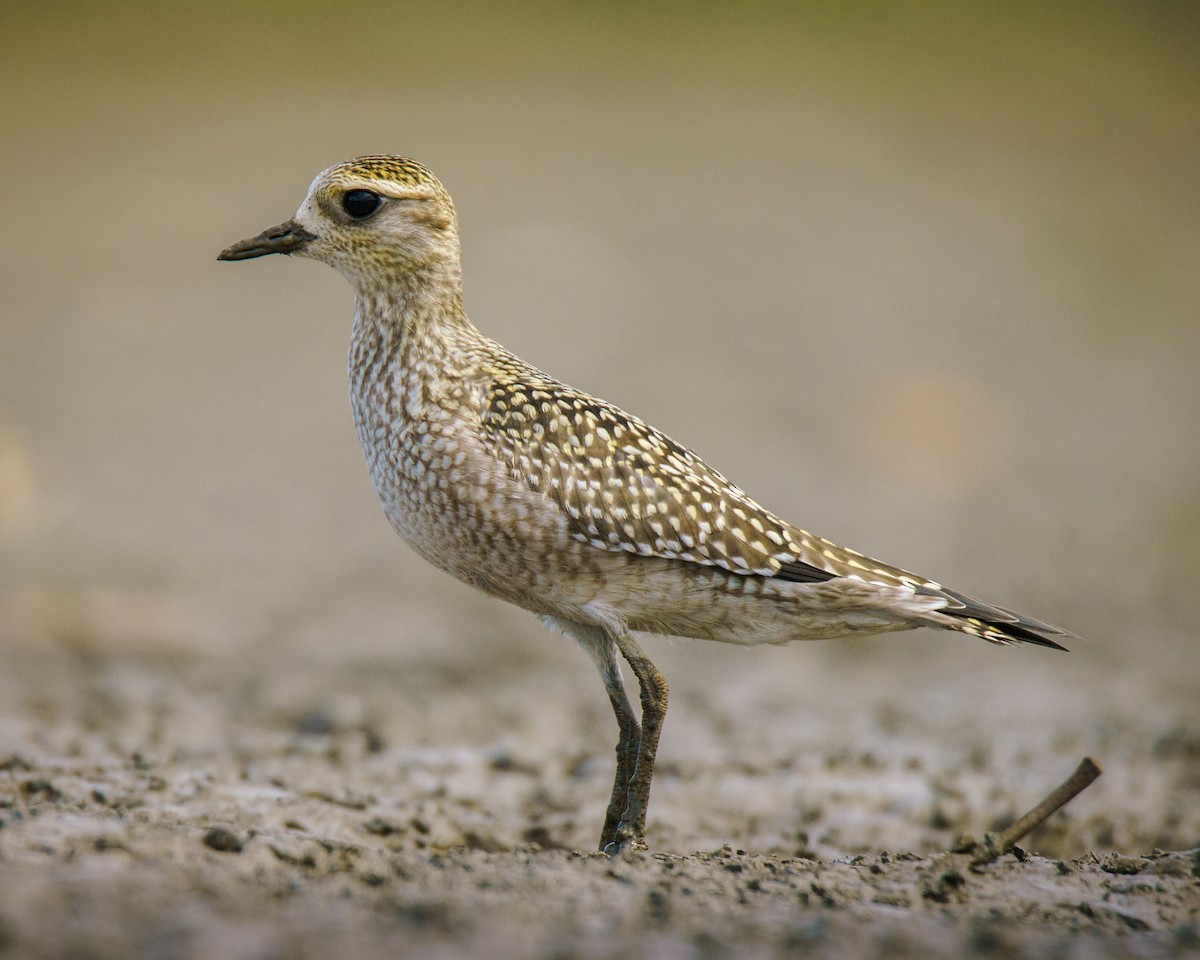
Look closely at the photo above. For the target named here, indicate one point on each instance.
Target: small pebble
(223, 840)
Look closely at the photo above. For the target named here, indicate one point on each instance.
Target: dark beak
(287, 237)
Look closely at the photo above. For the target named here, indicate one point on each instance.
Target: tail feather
(993, 623)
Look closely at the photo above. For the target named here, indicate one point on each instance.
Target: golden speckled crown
(400, 170)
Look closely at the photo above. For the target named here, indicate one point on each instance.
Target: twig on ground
(993, 847)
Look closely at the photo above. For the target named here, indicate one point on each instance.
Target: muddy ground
(314, 802)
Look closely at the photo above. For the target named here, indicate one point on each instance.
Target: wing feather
(625, 486)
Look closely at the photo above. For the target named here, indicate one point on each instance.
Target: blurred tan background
(923, 278)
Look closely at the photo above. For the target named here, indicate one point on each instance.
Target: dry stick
(1076, 783)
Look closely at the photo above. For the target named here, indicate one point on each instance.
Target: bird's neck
(409, 335)
(421, 306)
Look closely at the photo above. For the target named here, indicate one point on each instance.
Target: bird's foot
(625, 840)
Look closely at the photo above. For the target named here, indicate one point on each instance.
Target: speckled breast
(454, 503)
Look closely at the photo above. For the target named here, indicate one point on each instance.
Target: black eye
(360, 204)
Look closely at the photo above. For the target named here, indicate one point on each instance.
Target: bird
(562, 503)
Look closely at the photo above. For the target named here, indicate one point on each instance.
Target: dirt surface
(192, 806)
(919, 277)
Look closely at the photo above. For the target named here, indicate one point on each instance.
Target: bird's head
(372, 219)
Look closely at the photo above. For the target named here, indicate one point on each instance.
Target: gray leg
(631, 831)
(628, 746)
(603, 650)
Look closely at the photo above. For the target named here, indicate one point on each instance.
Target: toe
(625, 840)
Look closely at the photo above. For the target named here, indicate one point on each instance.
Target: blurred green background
(924, 278)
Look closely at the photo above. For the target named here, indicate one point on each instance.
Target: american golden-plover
(559, 502)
